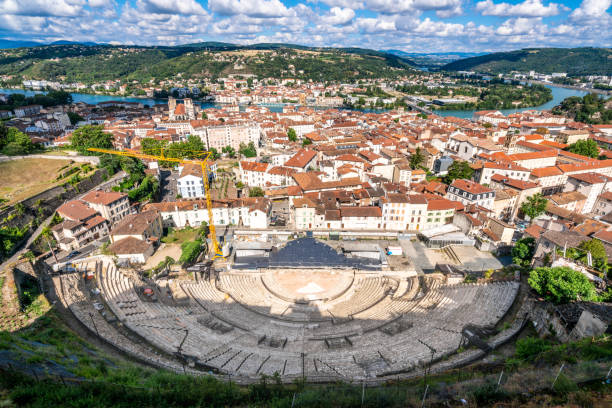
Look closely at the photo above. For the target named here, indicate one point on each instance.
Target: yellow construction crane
(203, 162)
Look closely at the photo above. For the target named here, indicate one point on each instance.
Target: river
(558, 94)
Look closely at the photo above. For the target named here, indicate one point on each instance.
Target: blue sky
(408, 25)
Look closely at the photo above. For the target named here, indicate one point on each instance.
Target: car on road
(73, 254)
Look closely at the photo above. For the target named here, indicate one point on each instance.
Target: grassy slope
(74, 62)
(574, 61)
(24, 178)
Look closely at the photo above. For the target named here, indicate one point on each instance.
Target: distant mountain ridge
(573, 61)
(74, 62)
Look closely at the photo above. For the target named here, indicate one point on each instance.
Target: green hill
(94, 63)
(574, 61)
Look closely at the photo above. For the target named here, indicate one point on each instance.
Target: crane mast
(216, 248)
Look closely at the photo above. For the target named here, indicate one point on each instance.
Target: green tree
(291, 135)
(416, 159)
(74, 118)
(13, 142)
(256, 192)
(248, 150)
(91, 136)
(598, 254)
(561, 284)
(204, 115)
(306, 142)
(534, 206)
(214, 154)
(523, 251)
(587, 148)
(458, 170)
(229, 150)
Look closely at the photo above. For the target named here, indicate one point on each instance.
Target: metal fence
(467, 386)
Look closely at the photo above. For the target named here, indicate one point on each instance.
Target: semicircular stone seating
(356, 325)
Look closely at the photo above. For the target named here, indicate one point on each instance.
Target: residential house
(469, 192)
(113, 206)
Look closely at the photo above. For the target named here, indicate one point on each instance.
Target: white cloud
(41, 7)
(528, 8)
(445, 7)
(338, 16)
(591, 9)
(519, 26)
(185, 7)
(254, 8)
(100, 3)
(375, 25)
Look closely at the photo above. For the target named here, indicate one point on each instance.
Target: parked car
(73, 254)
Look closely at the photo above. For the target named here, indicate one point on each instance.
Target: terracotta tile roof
(92, 222)
(129, 246)
(546, 172)
(504, 166)
(534, 155)
(470, 186)
(103, 197)
(76, 210)
(254, 166)
(606, 195)
(310, 181)
(534, 231)
(590, 178)
(301, 158)
(556, 145)
(191, 169)
(514, 183)
(135, 224)
(440, 205)
(282, 171)
(605, 236)
(568, 168)
(360, 212)
(567, 197)
(396, 198)
(589, 227)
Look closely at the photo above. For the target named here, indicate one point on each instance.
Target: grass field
(178, 236)
(24, 178)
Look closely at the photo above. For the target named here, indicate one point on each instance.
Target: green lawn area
(178, 236)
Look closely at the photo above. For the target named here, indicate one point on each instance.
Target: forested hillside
(574, 61)
(74, 62)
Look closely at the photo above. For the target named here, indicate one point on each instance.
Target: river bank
(558, 92)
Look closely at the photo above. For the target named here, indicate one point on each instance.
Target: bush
(529, 348)
(561, 284)
(190, 251)
(488, 394)
(523, 250)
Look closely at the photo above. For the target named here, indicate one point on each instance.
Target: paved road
(24, 248)
(84, 252)
(168, 185)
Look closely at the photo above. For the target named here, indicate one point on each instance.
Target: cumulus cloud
(519, 26)
(184, 7)
(255, 8)
(338, 16)
(528, 8)
(416, 25)
(41, 7)
(591, 9)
